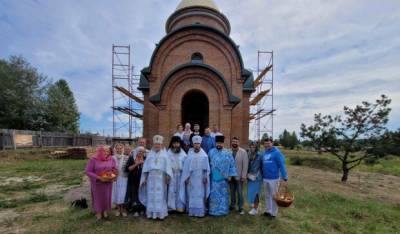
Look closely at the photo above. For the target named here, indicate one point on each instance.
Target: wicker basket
(284, 198)
(109, 175)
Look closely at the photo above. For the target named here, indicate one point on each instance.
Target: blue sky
(327, 53)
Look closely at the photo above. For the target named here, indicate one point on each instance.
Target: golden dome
(194, 3)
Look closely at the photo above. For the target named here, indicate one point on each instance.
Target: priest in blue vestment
(223, 168)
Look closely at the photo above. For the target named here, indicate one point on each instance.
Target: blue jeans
(236, 191)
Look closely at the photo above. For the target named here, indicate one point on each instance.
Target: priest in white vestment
(195, 184)
(156, 174)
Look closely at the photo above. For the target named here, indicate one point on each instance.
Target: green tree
(284, 139)
(392, 140)
(62, 112)
(29, 102)
(22, 93)
(294, 141)
(288, 140)
(387, 143)
(345, 136)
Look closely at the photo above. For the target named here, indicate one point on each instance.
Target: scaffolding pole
(262, 114)
(138, 105)
(126, 103)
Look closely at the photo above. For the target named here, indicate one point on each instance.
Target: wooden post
(40, 140)
(51, 140)
(13, 140)
(1, 141)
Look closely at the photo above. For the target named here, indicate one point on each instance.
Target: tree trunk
(345, 173)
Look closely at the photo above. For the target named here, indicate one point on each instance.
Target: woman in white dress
(119, 186)
(179, 131)
(186, 137)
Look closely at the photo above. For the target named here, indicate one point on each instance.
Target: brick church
(196, 74)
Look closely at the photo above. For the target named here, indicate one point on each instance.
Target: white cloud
(327, 53)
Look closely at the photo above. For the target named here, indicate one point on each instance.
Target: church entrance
(195, 109)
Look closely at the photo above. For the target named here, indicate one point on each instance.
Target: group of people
(194, 174)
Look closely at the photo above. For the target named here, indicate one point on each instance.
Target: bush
(315, 162)
(371, 160)
(298, 147)
(296, 160)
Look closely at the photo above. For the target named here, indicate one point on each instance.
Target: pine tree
(284, 139)
(62, 112)
(346, 136)
(293, 140)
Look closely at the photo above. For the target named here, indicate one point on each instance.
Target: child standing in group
(119, 186)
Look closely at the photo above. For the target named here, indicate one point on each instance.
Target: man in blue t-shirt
(274, 172)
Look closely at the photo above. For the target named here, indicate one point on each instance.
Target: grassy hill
(34, 191)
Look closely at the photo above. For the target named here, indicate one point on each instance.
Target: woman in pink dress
(101, 188)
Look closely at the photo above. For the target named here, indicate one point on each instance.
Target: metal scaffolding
(137, 107)
(126, 100)
(262, 103)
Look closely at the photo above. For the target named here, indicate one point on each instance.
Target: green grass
(8, 203)
(389, 165)
(314, 210)
(45, 168)
(25, 185)
(330, 212)
(48, 171)
(29, 199)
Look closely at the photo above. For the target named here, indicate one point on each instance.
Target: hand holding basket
(284, 198)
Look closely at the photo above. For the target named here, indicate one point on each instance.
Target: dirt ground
(11, 180)
(79, 192)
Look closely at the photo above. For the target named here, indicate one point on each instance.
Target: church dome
(203, 12)
(197, 3)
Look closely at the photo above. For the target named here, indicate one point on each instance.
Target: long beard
(219, 147)
(176, 150)
(196, 150)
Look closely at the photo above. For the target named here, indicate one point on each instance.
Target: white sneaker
(253, 212)
(241, 212)
(136, 214)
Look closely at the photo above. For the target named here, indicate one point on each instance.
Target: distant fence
(13, 139)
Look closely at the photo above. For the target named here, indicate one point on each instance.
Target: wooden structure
(9, 139)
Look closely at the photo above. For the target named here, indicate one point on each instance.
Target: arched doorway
(195, 109)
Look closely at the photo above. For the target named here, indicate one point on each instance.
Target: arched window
(197, 58)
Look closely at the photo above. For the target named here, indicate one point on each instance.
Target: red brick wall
(163, 117)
